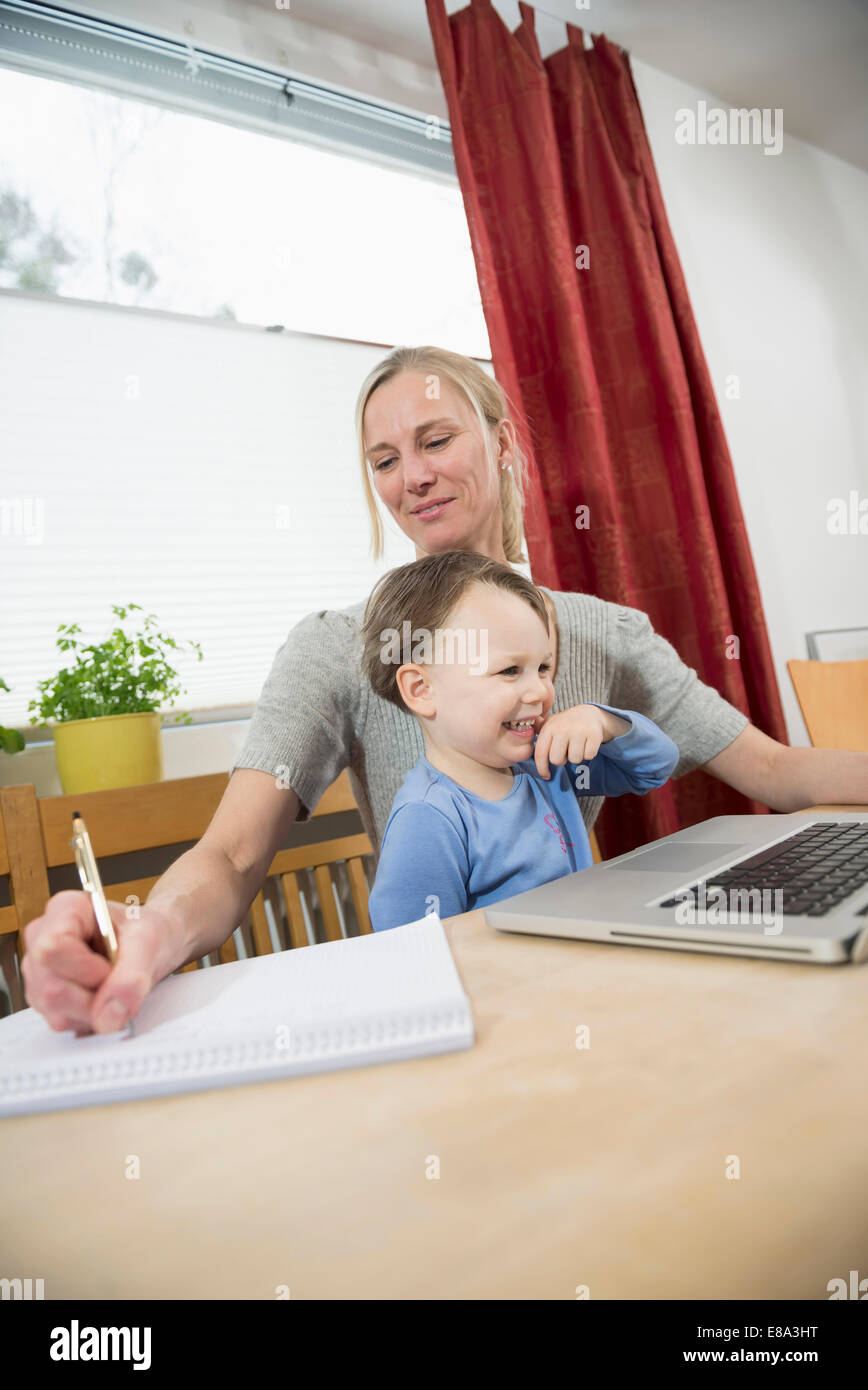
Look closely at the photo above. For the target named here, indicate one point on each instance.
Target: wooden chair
(35, 836)
(8, 930)
(833, 698)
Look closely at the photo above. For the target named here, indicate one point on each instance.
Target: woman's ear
(506, 439)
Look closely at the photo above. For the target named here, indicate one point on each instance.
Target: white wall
(776, 262)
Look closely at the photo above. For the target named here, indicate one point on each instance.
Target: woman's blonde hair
(489, 402)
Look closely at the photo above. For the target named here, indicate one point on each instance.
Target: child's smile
(523, 730)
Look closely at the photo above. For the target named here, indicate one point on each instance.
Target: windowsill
(211, 744)
(210, 321)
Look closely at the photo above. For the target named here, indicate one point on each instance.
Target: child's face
(507, 677)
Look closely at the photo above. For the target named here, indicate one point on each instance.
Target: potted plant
(11, 740)
(107, 728)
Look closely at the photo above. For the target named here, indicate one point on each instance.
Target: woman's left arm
(789, 779)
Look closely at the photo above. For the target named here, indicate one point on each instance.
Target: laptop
(779, 887)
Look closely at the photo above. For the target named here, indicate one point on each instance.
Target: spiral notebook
(383, 997)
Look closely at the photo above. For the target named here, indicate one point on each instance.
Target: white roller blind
(206, 471)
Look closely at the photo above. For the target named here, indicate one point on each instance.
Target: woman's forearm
(818, 777)
(791, 779)
(203, 898)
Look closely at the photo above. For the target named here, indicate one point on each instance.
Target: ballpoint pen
(92, 883)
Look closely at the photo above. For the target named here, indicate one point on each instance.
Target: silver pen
(92, 883)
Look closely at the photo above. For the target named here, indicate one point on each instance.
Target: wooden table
(559, 1167)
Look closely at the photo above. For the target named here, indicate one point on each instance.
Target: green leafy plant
(11, 740)
(122, 675)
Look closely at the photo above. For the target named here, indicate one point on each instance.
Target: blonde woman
(439, 450)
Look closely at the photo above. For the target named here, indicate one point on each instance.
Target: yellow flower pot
(110, 750)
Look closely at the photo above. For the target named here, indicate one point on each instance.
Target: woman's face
(429, 466)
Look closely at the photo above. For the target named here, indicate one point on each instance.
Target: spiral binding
(238, 1055)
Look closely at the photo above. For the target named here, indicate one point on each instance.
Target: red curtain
(599, 351)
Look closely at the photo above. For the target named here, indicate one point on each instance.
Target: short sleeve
(423, 867)
(650, 677)
(303, 724)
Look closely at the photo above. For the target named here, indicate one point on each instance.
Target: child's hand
(575, 735)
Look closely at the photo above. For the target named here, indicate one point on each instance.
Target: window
(161, 445)
(111, 199)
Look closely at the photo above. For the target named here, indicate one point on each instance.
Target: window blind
(204, 470)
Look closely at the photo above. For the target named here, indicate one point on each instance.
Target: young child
(463, 642)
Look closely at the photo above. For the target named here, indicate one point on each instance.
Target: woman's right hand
(67, 976)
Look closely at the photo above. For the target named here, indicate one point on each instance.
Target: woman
(438, 448)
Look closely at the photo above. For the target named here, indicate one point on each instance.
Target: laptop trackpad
(675, 857)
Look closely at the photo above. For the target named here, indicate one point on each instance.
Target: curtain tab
(528, 15)
(576, 37)
(526, 33)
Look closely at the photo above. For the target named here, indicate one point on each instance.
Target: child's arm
(606, 763)
(423, 867)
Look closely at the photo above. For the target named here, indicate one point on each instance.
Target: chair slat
(359, 890)
(8, 920)
(125, 819)
(259, 922)
(328, 852)
(10, 967)
(328, 906)
(28, 875)
(228, 951)
(294, 911)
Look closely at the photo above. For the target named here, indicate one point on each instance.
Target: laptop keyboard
(815, 869)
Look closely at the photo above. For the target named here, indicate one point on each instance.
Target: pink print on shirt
(551, 820)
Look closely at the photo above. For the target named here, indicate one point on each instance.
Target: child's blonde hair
(424, 593)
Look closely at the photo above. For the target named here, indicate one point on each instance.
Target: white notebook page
(379, 997)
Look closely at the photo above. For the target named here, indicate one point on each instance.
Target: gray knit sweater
(317, 715)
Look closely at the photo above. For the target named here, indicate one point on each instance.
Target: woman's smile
(431, 510)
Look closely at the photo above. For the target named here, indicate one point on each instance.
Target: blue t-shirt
(447, 850)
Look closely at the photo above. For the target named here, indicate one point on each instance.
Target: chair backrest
(8, 932)
(833, 698)
(35, 834)
(35, 837)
